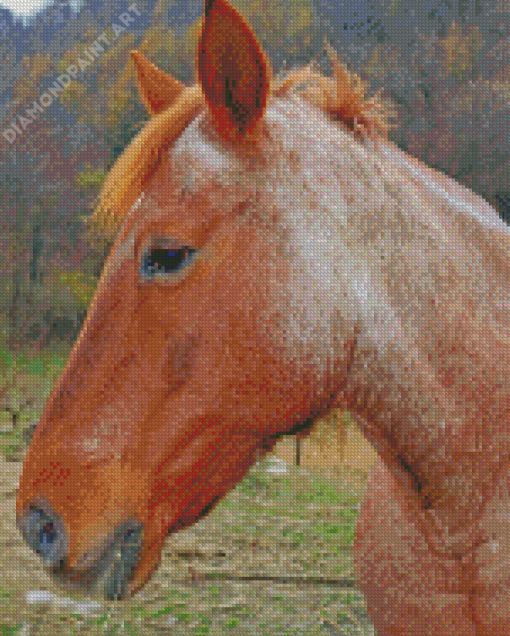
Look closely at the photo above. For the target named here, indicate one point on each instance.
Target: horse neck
(412, 264)
(429, 381)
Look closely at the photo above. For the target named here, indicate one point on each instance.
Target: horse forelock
(342, 98)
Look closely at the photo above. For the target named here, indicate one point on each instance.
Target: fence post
(298, 449)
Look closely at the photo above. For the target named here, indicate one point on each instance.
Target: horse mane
(342, 97)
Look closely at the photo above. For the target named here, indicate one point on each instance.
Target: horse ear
(157, 89)
(232, 70)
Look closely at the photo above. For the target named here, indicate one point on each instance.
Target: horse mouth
(109, 574)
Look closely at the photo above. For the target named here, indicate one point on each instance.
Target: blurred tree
(287, 29)
(460, 51)
(451, 117)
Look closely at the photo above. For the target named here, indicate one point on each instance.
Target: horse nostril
(44, 533)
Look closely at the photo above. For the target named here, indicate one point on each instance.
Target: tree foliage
(446, 66)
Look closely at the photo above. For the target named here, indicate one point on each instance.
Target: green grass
(26, 380)
(46, 364)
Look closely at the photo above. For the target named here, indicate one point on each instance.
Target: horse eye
(159, 260)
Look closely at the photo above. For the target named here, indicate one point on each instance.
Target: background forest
(444, 63)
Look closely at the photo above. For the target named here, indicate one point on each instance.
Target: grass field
(274, 557)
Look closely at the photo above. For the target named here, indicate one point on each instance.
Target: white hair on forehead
(294, 128)
(192, 149)
(307, 186)
(338, 210)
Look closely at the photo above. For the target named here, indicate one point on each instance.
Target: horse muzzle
(106, 576)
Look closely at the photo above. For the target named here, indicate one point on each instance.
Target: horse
(276, 257)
